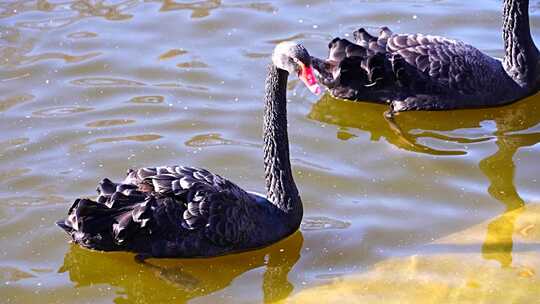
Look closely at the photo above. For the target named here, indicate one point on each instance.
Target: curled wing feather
(183, 200)
(422, 63)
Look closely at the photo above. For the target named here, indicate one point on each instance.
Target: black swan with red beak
(177, 211)
(424, 72)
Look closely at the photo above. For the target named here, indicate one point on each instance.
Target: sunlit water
(91, 88)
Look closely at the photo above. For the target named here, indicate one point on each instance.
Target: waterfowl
(425, 72)
(177, 211)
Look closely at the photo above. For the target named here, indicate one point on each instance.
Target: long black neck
(280, 187)
(521, 55)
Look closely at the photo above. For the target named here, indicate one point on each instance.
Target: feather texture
(193, 211)
(414, 72)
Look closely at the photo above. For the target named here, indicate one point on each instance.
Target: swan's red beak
(307, 76)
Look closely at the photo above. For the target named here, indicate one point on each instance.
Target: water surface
(91, 88)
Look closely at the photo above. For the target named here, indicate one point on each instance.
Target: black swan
(424, 72)
(176, 211)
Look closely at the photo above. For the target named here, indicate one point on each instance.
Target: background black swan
(178, 211)
(424, 72)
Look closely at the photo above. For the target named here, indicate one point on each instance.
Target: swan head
(293, 57)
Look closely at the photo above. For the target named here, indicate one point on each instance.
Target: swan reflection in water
(179, 280)
(516, 126)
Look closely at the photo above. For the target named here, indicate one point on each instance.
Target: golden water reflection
(514, 128)
(499, 168)
(187, 278)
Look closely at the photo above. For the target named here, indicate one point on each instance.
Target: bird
(187, 212)
(427, 72)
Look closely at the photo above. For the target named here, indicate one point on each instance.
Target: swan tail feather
(116, 224)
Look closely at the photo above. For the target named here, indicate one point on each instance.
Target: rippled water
(91, 88)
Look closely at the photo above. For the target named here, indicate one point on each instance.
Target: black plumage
(425, 72)
(172, 211)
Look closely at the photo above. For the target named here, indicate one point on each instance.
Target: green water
(91, 88)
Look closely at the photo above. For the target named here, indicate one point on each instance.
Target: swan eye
(298, 65)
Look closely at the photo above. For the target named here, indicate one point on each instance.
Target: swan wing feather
(209, 202)
(187, 208)
(404, 64)
(445, 62)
